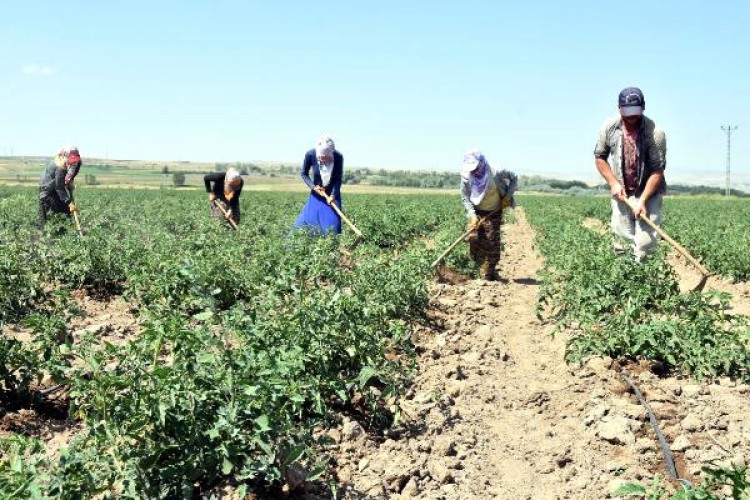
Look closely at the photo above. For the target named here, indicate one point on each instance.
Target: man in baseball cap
(630, 155)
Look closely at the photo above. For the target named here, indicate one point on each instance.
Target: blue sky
(396, 84)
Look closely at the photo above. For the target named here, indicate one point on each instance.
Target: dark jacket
(218, 189)
(311, 163)
(52, 182)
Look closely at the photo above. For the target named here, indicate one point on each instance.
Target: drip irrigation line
(666, 451)
(51, 390)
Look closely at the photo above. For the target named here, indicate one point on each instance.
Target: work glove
(211, 197)
(72, 207)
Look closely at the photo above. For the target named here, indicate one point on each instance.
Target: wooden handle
(669, 239)
(227, 215)
(349, 223)
(78, 222)
(75, 213)
(461, 238)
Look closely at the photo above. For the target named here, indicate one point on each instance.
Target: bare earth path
(497, 413)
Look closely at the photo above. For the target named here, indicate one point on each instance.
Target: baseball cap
(631, 101)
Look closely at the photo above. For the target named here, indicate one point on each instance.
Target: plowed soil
(497, 413)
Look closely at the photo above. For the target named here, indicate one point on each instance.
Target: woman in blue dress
(327, 166)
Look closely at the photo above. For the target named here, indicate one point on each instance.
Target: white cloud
(39, 70)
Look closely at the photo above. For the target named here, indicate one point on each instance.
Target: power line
(728, 129)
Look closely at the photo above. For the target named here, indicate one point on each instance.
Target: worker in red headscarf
(56, 184)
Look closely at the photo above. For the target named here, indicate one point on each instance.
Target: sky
(398, 85)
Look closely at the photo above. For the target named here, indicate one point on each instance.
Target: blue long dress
(317, 217)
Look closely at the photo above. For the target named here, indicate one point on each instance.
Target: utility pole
(728, 129)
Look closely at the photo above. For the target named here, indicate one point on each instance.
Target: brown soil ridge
(495, 412)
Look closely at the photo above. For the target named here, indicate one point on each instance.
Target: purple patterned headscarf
(476, 170)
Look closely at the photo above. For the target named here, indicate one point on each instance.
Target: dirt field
(495, 411)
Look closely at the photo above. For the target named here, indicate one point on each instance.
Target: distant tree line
(703, 190)
(418, 179)
(243, 168)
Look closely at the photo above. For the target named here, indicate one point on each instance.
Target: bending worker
(56, 184)
(485, 193)
(226, 191)
(322, 171)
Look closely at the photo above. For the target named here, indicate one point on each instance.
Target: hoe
(227, 215)
(357, 232)
(704, 272)
(75, 215)
(462, 237)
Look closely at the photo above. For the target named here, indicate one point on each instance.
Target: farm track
(496, 412)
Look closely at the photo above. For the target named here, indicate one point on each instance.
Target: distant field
(150, 174)
(26, 171)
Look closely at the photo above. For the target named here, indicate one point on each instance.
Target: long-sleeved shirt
(52, 181)
(311, 163)
(504, 181)
(651, 151)
(218, 188)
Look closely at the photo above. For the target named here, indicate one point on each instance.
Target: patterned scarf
(476, 170)
(630, 158)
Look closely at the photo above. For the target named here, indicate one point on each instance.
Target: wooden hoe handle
(669, 239)
(349, 223)
(461, 238)
(75, 213)
(227, 215)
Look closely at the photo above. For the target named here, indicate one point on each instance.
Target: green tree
(178, 179)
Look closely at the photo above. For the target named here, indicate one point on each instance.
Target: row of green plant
(719, 483)
(252, 342)
(717, 231)
(619, 308)
(624, 309)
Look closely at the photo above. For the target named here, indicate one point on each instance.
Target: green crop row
(622, 309)
(252, 342)
(715, 231)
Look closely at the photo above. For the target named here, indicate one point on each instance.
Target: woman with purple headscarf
(327, 168)
(485, 193)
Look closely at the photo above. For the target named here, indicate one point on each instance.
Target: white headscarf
(232, 175)
(229, 190)
(476, 170)
(325, 147)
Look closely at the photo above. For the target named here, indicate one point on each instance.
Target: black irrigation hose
(666, 451)
(53, 389)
